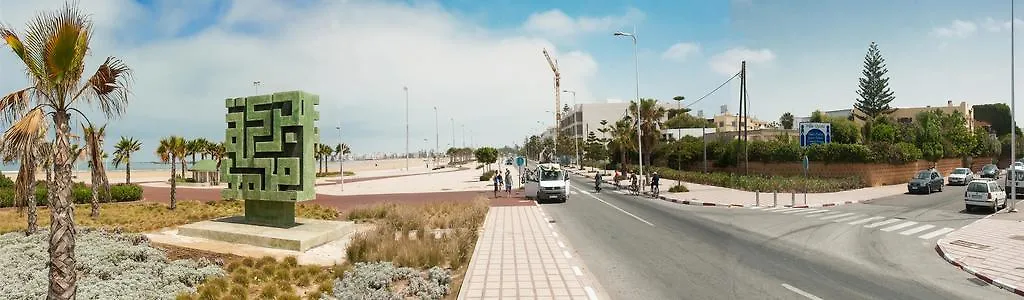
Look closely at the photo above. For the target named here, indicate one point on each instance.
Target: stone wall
(873, 174)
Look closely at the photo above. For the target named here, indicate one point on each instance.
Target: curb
(975, 273)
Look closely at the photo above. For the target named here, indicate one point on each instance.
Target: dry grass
(417, 217)
(268, 278)
(148, 216)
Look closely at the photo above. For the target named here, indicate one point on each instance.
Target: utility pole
(1013, 109)
(406, 127)
(341, 162)
(741, 134)
(437, 136)
(746, 120)
(639, 130)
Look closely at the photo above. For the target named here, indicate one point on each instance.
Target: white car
(960, 176)
(984, 193)
(548, 182)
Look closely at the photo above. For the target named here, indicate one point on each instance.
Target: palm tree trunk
(174, 185)
(95, 212)
(128, 169)
(62, 276)
(106, 183)
(182, 167)
(30, 197)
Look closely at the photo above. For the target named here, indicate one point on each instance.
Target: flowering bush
(111, 266)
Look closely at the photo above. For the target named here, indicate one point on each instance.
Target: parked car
(989, 171)
(960, 176)
(926, 181)
(984, 193)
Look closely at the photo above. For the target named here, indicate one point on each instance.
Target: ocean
(13, 167)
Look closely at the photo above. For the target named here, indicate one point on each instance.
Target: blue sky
(480, 62)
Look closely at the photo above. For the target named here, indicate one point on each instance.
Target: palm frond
(108, 86)
(32, 67)
(23, 134)
(13, 105)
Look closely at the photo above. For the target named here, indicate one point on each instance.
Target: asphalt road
(640, 248)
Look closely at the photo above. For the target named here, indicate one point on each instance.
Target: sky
(480, 63)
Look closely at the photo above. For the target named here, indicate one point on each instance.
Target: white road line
(836, 216)
(775, 208)
(566, 254)
(917, 229)
(756, 207)
(850, 218)
(822, 213)
(620, 209)
(801, 292)
(555, 233)
(576, 270)
(865, 220)
(886, 222)
(812, 212)
(590, 293)
(936, 233)
(799, 210)
(898, 226)
(786, 209)
(560, 244)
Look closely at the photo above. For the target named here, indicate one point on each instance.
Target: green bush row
(80, 194)
(782, 184)
(779, 151)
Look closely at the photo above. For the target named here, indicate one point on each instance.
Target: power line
(714, 90)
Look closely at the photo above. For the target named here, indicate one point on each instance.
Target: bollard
(775, 198)
(805, 198)
(792, 199)
(757, 198)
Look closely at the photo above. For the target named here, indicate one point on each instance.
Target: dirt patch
(176, 253)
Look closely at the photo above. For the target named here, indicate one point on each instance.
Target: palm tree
(94, 148)
(650, 122)
(217, 152)
(200, 147)
(341, 150)
(624, 135)
(123, 155)
(171, 150)
(53, 50)
(28, 153)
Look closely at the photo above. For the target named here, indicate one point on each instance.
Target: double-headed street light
(575, 133)
(639, 133)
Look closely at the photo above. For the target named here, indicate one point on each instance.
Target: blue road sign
(815, 133)
(520, 161)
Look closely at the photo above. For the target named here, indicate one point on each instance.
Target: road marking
(560, 244)
(822, 213)
(886, 222)
(576, 270)
(620, 209)
(801, 292)
(800, 211)
(555, 233)
(815, 212)
(590, 293)
(937, 233)
(862, 221)
(898, 226)
(850, 218)
(756, 207)
(836, 216)
(786, 209)
(566, 253)
(917, 229)
(775, 208)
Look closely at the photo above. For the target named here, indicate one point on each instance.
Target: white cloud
(728, 62)
(356, 55)
(556, 23)
(958, 29)
(681, 51)
(992, 25)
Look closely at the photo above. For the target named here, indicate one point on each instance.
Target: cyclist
(597, 182)
(633, 183)
(654, 184)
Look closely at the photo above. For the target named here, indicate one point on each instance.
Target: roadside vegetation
(753, 183)
(332, 173)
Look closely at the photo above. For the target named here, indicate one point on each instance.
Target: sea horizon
(81, 166)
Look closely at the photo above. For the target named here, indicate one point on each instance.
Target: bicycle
(634, 189)
(655, 189)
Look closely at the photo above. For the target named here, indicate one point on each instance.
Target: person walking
(497, 184)
(508, 183)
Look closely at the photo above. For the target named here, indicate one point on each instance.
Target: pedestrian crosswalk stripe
(836, 216)
(937, 233)
(917, 229)
(788, 209)
(774, 208)
(899, 226)
(811, 212)
(865, 220)
(818, 213)
(756, 207)
(828, 212)
(886, 222)
(853, 217)
(799, 211)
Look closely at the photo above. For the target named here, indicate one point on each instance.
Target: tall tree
(53, 51)
(30, 154)
(171, 150)
(194, 147)
(650, 118)
(874, 91)
(123, 155)
(94, 148)
(786, 120)
(217, 152)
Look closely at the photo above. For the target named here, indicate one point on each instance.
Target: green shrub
(678, 189)
(123, 192)
(486, 176)
(6, 182)
(764, 183)
(899, 153)
(840, 153)
(6, 197)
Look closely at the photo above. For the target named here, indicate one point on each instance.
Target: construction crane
(558, 92)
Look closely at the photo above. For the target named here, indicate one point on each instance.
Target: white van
(547, 182)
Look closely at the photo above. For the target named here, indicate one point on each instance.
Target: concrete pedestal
(303, 235)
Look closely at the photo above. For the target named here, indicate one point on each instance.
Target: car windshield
(989, 168)
(960, 171)
(977, 187)
(548, 175)
(923, 175)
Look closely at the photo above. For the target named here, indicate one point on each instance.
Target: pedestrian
(508, 183)
(497, 183)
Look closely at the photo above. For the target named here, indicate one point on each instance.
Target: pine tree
(874, 91)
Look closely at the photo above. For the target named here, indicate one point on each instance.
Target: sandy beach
(362, 168)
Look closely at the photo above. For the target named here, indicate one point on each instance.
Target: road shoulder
(991, 249)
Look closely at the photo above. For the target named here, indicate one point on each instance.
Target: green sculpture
(270, 141)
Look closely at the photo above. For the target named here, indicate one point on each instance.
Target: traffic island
(301, 236)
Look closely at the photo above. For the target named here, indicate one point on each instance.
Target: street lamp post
(406, 89)
(639, 131)
(1012, 207)
(575, 132)
(437, 136)
(341, 162)
(256, 86)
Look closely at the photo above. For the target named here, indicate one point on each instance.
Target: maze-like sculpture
(270, 142)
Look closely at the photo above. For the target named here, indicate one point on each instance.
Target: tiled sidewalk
(991, 249)
(519, 256)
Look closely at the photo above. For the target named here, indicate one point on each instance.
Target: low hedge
(783, 184)
(80, 194)
(781, 151)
